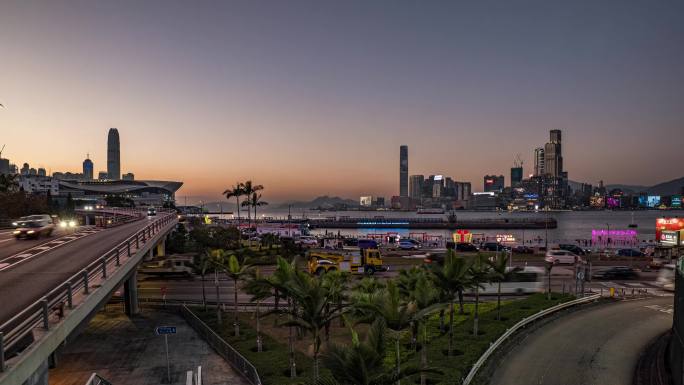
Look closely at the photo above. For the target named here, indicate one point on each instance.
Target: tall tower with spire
(88, 168)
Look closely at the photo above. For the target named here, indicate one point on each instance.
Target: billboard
(653, 201)
(612, 202)
(597, 201)
(668, 224)
(676, 201)
(613, 237)
(670, 238)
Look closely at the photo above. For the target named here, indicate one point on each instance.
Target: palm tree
(237, 272)
(312, 313)
(500, 273)
(256, 202)
(452, 278)
(248, 189)
(337, 283)
(479, 274)
(236, 192)
(259, 288)
(202, 264)
(362, 362)
(216, 260)
(397, 313)
(426, 297)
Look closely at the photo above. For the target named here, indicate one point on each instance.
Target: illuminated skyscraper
(539, 161)
(113, 155)
(403, 171)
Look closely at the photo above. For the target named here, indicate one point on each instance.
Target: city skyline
(466, 99)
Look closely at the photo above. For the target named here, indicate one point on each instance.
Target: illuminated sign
(612, 202)
(649, 201)
(597, 201)
(489, 181)
(676, 201)
(462, 236)
(669, 237)
(600, 236)
(503, 238)
(668, 224)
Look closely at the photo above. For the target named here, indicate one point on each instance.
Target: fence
(223, 348)
(676, 349)
(54, 304)
(524, 322)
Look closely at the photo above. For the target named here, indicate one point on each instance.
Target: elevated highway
(48, 296)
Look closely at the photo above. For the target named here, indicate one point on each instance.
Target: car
(629, 253)
(521, 249)
(34, 229)
(307, 240)
(436, 258)
(406, 244)
(466, 247)
(494, 246)
(151, 212)
(573, 249)
(616, 272)
(558, 257)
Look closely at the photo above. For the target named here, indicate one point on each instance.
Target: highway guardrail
(524, 322)
(54, 304)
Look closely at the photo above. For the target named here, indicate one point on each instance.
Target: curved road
(596, 345)
(27, 282)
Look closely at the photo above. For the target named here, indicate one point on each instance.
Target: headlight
(72, 223)
(16, 232)
(15, 224)
(63, 224)
(30, 232)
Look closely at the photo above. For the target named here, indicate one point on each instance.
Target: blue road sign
(165, 330)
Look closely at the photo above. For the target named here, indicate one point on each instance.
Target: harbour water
(572, 225)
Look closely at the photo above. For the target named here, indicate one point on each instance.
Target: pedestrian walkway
(127, 352)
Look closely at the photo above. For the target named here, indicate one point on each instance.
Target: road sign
(580, 275)
(160, 330)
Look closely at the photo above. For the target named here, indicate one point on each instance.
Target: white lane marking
(664, 309)
(25, 255)
(6, 240)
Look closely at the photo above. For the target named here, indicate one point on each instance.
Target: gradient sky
(312, 98)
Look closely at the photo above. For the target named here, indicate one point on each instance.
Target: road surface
(596, 345)
(26, 282)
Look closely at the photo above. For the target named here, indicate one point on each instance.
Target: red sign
(668, 224)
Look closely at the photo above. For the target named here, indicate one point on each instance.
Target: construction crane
(518, 162)
(1, 150)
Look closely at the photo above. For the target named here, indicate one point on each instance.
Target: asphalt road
(10, 246)
(25, 283)
(597, 345)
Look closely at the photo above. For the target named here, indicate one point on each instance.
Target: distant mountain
(325, 202)
(672, 187)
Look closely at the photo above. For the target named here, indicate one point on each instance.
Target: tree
(202, 263)
(452, 278)
(362, 362)
(501, 273)
(236, 192)
(337, 283)
(479, 274)
(237, 272)
(259, 289)
(311, 314)
(216, 261)
(248, 188)
(8, 183)
(285, 273)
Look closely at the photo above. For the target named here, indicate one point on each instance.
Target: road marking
(664, 309)
(3, 265)
(6, 240)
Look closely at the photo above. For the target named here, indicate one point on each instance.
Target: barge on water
(433, 223)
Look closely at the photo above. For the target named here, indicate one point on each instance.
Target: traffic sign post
(165, 331)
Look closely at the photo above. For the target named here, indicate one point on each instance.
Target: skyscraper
(539, 161)
(553, 158)
(113, 155)
(403, 171)
(88, 168)
(416, 186)
(516, 176)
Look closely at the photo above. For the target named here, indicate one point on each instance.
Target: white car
(562, 257)
(308, 241)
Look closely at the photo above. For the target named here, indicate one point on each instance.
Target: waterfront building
(38, 184)
(25, 169)
(516, 176)
(88, 168)
(141, 193)
(493, 183)
(539, 161)
(102, 175)
(113, 155)
(366, 201)
(128, 176)
(403, 171)
(416, 186)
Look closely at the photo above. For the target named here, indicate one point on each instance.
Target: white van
(562, 257)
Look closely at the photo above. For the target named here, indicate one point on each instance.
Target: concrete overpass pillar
(131, 295)
(161, 248)
(40, 376)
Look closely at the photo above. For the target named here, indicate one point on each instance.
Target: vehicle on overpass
(666, 277)
(616, 272)
(365, 261)
(34, 228)
(151, 212)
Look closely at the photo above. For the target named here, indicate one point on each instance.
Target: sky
(314, 98)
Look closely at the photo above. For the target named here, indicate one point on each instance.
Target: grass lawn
(272, 364)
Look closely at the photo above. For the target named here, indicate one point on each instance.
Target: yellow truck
(364, 261)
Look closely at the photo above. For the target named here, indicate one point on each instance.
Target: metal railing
(95, 379)
(524, 322)
(223, 348)
(61, 299)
